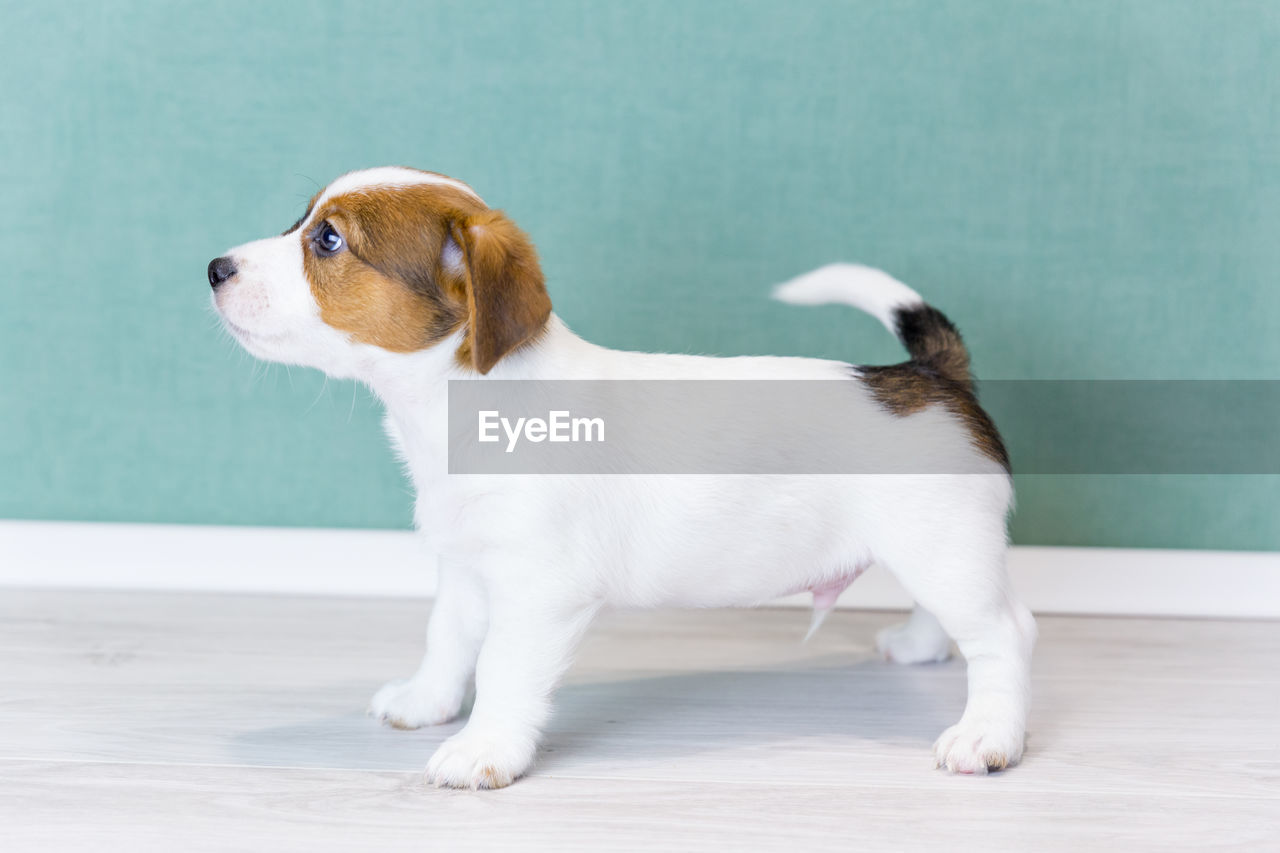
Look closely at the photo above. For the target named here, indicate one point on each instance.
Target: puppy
(405, 280)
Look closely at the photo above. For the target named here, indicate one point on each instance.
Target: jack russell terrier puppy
(406, 279)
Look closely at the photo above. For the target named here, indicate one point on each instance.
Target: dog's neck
(407, 381)
(414, 387)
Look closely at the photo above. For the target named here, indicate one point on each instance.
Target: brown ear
(507, 302)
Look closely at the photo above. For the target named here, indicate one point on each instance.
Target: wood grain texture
(150, 721)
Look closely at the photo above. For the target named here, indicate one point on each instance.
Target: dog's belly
(720, 543)
(703, 541)
(739, 578)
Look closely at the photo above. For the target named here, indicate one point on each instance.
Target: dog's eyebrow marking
(303, 218)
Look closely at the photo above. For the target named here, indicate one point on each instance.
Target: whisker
(323, 388)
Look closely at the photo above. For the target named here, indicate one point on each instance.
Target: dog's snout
(221, 269)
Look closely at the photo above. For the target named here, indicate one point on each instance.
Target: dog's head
(393, 259)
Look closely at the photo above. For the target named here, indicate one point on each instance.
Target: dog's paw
(408, 704)
(979, 746)
(480, 757)
(907, 644)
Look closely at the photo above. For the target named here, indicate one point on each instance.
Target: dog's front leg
(455, 631)
(530, 643)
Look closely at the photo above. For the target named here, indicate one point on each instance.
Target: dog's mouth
(243, 335)
(237, 331)
(234, 328)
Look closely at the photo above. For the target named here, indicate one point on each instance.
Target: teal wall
(1090, 188)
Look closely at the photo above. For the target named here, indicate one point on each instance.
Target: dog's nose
(221, 269)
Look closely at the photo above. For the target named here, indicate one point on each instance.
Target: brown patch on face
(910, 387)
(393, 286)
(387, 287)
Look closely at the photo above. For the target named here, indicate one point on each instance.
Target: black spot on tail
(937, 375)
(933, 342)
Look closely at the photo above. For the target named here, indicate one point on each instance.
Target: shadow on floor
(648, 721)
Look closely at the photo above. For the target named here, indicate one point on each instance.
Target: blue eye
(326, 240)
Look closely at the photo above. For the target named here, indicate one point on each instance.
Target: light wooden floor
(177, 722)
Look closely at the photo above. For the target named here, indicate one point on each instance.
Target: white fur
(865, 288)
(389, 176)
(526, 562)
(451, 256)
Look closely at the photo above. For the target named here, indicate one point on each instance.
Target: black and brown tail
(938, 371)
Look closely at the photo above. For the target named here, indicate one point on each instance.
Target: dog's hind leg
(970, 597)
(918, 640)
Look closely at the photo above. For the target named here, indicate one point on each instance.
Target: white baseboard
(1146, 582)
